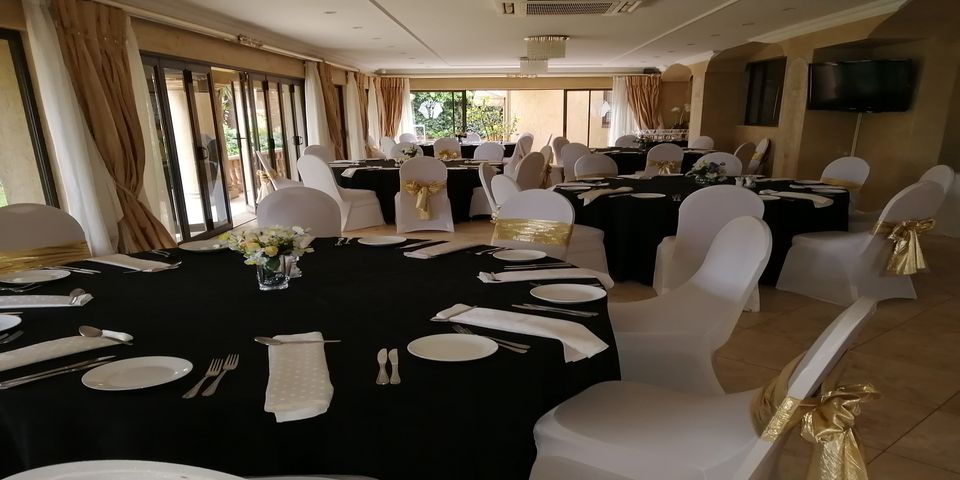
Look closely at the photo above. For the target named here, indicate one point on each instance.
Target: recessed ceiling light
(376, 38)
(747, 24)
(788, 9)
(691, 44)
(669, 51)
(357, 27)
(411, 58)
(715, 35)
(403, 53)
(330, 12)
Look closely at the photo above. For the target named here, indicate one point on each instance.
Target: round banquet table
(445, 420)
(634, 227)
(632, 160)
(462, 178)
(467, 149)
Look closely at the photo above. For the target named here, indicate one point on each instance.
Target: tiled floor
(910, 350)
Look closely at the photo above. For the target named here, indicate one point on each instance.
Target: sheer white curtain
(317, 131)
(356, 137)
(373, 114)
(621, 116)
(154, 193)
(406, 114)
(89, 193)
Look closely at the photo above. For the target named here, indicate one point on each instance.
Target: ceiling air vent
(566, 7)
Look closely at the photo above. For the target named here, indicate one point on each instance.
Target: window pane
(486, 115)
(210, 148)
(19, 176)
(160, 129)
(186, 153)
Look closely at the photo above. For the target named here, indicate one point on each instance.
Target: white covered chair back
(547, 153)
(569, 155)
(537, 204)
(730, 163)
(558, 143)
(408, 137)
(664, 152)
(595, 165)
(33, 225)
(916, 202)
(323, 152)
(301, 207)
(503, 188)
(626, 141)
(423, 170)
(759, 155)
(489, 151)
(942, 175)
(745, 152)
(530, 171)
(523, 147)
(387, 144)
(849, 170)
(446, 144)
(316, 173)
(487, 172)
(702, 142)
(397, 151)
(473, 137)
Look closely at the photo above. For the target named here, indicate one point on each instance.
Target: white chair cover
(569, 155)
(490, 151)
(483, 202)
(557, 145)
(358, 208)
(731, 163)
(745, 152)
(839, 267)
(547, 153)
(374, 148)
(301, 207)
(503, 188)
(473, 137)
(446, 143)
(626, 141)
(595, 165)
(664, 152)
(397, 149)
(423, 170)
(523, 147)
(32, 225)
(702, 142)
(849, 169)
(625, 430)
(529, 172)
(942, 175)
(387, 144)
(536, 205)
(759, 155)
(408, 137)
(321, 151)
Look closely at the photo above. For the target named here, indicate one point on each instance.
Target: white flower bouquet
(706, 172)
(265, 246)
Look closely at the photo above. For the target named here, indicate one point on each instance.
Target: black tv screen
(862, 86)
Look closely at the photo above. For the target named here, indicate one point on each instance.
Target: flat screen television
(861, 86)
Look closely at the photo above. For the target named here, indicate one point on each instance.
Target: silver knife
(419, 244)
(394, 358)
(382, 378)
(57, 371)
(540, 308)
(12, 337)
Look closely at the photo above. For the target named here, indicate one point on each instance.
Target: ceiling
(438, 37)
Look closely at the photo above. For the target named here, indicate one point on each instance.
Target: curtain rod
(211, 32)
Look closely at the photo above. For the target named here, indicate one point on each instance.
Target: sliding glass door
(276, 121)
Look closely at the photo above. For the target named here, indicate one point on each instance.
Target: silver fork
(212, 371)
(172, 266)
(512, 346)
(161, 253)
(26, 288)
(231, 364)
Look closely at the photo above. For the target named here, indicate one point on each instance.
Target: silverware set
(545, 308)
(341, 241)
(9, 337)
(677, 197)
(218, 368)
(169, 266)
(420, 244)
(162, 253)
(537, 265)
(75, 367)
(512, 346)
(86, 271)
(24, 288)
(490, 251)
(392, 356)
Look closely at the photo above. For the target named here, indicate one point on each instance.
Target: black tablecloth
(633, 228)
(467, 149)
(461, 180)
(446, 420)
(632, 160)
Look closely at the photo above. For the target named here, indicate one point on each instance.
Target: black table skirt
(446, 420)
(386, 183)
(467, 149)
(633, 228)
(633, 160)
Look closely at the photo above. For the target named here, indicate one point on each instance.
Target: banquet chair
(423, 172)
(32, 225)
(473, 137)
(669, 340)
(626, 141)
(557, 145)
(529, 172)
(489, 151)
(547, 152)
(594, 165)
(387, 144)
(374, 148)
(397, 150)
(569, 154)
(943, 175)
(730, 162)
(407, 137)
(141, 469)
(702, 214)
(745, 152)
(839, 267)
(535, 206)
(446, 144)
(358, 208)
(482, 202)
(322, 152)
(847, 172)
(301, 207)
(664, 153)
(759, 157)
(523, 147)
(626, 430)
(502, 188)
(702, 142)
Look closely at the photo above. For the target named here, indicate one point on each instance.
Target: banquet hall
(606, 239)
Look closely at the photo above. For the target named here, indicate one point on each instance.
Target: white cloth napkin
(578, 341)
(818, 200)
(592, 195)
(299, 386)
(60, 347)
(126, 261)
(440, 249)
(632, 176)
(42, 301)
(545, 274)
(342, 162)
(348, 172)
(581, 184)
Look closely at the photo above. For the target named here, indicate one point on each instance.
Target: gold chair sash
(544, 232)
(852, 186)
(906, 257)
(18, 260)
(447, 155)
(664, 167)
(547, 170)
(827, 421)
(423, 192)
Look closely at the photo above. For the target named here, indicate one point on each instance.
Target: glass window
(439, 114)
(764, 87)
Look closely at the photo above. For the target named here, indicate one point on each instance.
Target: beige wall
(503, 83)
(673, 94)
(950, 151)
(11, 15)
(539, 112)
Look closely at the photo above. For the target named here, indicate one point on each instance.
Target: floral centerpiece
(706, 172)
(642, 141)
(274, 250)
(447, 155)
(681, 112)
(406, 153)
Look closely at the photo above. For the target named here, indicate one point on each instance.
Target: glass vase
(274, 274)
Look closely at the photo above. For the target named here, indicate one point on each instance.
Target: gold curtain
(93, 41)
(390, 100)
(332, 102)
(363, 94)
(643, 94)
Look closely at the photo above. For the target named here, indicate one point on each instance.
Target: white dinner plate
(809, 182)
(452, 347)
(202, 246)
(767, 198)
(798, 186)
(8, 321)
(647, 195)
(34, 276)
(829, 190)
(136, 373)
(590, 179)
(121, 469)
(568, 293)
(382, 240)
(519, 255)
(671, 175)
(576, 188)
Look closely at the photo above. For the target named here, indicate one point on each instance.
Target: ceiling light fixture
(529, 66)
(543, 47)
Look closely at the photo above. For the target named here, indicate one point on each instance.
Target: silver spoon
(274, 341)
(89, 331)
(75, 295)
